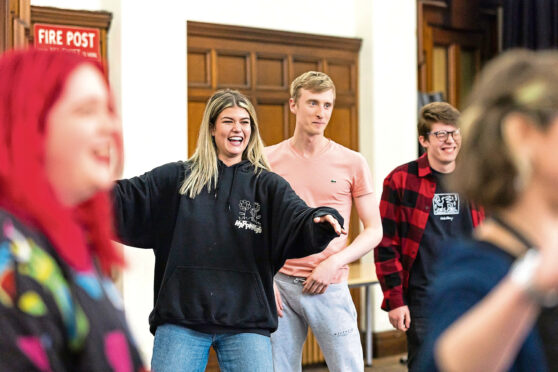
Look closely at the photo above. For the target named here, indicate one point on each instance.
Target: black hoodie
(216, 254)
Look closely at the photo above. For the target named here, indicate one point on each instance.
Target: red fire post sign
(84, 41)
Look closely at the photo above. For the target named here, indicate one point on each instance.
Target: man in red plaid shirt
(418, 215)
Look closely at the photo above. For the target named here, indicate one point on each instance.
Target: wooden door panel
(338, 128)
(301, 65)
(199, 72)
(343, 76)
(469, 66)
(271, 72)
(450, 49)
(195, 115)
(271, 118)
(233, 69)
(440, 66)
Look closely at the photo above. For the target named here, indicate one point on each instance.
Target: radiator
(311, 353)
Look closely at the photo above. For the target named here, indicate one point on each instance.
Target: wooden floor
(387, 364)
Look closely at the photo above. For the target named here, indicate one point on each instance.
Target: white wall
(387, 96)
(147, 58)
(327, 17)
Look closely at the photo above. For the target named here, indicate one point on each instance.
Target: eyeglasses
(443, 135)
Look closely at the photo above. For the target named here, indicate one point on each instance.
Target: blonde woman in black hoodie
(221, 225)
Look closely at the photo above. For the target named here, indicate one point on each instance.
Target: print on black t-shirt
(449, 219)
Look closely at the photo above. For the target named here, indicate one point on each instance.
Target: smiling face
(81, 128)
(313, 111)
(441, 154)
(231, 131)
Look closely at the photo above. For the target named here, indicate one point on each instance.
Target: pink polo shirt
(331, 178)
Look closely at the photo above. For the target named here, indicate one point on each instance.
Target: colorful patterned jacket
(405, 207)
(54, 318)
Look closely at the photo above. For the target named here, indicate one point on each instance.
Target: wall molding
(262, 35)
(70, 17)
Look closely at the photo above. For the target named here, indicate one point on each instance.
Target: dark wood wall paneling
(458, 26)
(261, 64)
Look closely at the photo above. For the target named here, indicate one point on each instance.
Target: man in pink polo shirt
(312, 291)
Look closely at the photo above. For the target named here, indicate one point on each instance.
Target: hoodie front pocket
(214, 296)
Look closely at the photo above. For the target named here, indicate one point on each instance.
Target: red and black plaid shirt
(405, 207)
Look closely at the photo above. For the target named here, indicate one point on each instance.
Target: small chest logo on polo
(249, 217)
(445, 205)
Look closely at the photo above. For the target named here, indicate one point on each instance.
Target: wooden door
(261, 64)
(455, 39)
(14, 23)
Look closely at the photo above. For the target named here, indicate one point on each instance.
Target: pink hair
(31, 81)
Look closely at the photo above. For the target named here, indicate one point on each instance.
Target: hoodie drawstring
(231, 188)
(242, 165)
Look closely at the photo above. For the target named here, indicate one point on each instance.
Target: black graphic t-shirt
(450, 218)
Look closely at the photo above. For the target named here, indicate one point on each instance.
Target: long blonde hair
(203, 164)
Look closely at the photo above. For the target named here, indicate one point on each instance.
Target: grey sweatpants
(332, 318)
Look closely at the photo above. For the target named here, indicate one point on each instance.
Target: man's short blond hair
(314, 81)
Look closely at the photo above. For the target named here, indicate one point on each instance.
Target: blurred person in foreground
(494, 300)
(59, 311)
(221, 225)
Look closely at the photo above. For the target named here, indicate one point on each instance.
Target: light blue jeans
(178, 349)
